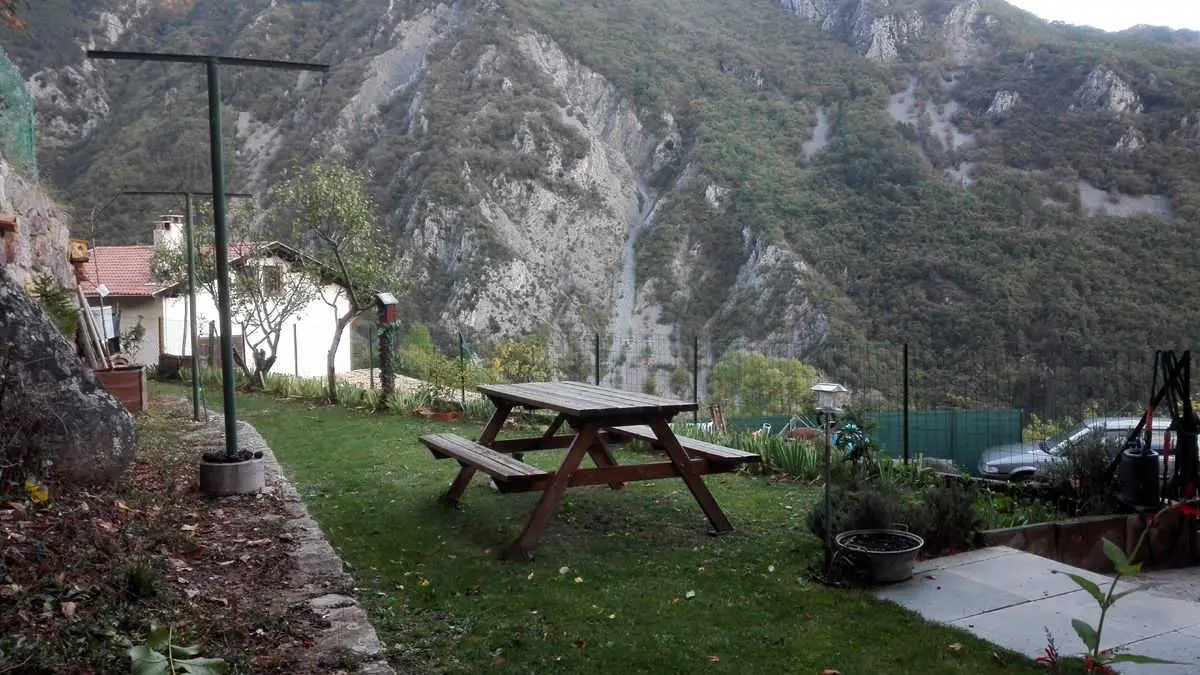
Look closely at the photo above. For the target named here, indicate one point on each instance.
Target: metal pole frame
(190, 236)
(218, 181)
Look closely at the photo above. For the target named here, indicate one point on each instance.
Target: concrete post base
(241, 478)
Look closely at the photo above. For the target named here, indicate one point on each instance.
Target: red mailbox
(387, 303)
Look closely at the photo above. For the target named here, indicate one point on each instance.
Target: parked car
(1022, 461)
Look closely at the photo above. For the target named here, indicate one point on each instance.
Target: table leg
(553, 494)
(453, 496)
(602, 455)
(695, 483)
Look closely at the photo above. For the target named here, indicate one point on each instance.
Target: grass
(624, 581)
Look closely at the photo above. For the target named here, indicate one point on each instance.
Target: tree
(270, 284)
(753, 383)
(328, 211)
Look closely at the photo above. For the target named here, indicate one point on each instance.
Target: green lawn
(624, 581)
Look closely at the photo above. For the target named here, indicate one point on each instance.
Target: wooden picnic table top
(582, 400)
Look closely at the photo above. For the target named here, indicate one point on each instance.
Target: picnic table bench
(595, 417)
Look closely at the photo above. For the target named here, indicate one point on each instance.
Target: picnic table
(595, 418)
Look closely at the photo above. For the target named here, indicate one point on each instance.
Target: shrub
(1082, 478)
(946, 517)
(866, 509)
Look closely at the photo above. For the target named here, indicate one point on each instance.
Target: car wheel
(1021, 477)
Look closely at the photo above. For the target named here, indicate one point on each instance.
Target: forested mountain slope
(816, 173)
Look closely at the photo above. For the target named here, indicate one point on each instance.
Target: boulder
(54, 413)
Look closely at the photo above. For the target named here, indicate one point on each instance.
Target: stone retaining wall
(1078, 541)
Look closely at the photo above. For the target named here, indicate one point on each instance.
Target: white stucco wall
(304, 340)
(130, 312)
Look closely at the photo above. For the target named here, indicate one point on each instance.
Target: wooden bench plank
(500, 466)
(709, 451)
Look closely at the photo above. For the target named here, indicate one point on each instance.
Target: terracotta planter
(127, 384)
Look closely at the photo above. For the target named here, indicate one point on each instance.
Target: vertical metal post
(296, 349)
(905, 404)
(596, 351)
(696, 377)
(222, 252)
(371, 363)
(194, 328)
(827, 421)
(462, 371)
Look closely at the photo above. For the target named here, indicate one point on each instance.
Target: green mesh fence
(16, 118)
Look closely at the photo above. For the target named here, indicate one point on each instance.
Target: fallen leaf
(500, 662)
(689, 595)
(770, 568)
(831, 671)
(579, 580)
(807, 616)
(123, 505)
(581, 643)
(190, 593)
(258, 542)
(714, 659)
(106, 526)
(18, 507)
(676, 601)
(957, 647)
(530, 576)
(564, 569)
(187, 528)
(424, 583)
(612, 616)
(68, 609)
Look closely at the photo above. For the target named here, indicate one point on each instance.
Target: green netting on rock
(16, 118)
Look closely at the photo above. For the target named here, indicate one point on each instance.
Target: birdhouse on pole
(387, 304)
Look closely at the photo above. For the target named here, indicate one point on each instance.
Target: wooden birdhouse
(78, 250)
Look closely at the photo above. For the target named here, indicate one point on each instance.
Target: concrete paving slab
(1139, 613)
(1011, 598)
(960, 559)
(1022, 628)
(943, 595)
(1029, 576)
(1179, 647)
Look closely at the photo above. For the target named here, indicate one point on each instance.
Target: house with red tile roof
(124, 292)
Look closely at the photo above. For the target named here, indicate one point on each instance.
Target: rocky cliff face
(41, 236)
(1104, 89)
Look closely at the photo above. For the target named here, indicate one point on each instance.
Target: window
(272, 280)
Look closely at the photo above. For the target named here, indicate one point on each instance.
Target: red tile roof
(124, 270)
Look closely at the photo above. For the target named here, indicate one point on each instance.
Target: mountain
(800, 176)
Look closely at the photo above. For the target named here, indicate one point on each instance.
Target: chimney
(168, 231)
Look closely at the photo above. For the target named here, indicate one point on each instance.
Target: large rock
(1105, 90)
(53, 401)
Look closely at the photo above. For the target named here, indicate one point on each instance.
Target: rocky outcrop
(1131, 140)
(39, 243)
(1105, 90)
(1003, 103)
(57, 419)
(874, 31)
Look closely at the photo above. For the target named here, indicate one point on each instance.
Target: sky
(1114, 15)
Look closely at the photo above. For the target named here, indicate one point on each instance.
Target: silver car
(1022, 461)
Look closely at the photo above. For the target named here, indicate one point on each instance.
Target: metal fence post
(696, 377)
(371, 363)
(296, 349)
(462, 371)
(906, 404)
(596, 351)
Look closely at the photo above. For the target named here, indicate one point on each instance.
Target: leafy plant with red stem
(1095, 660)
